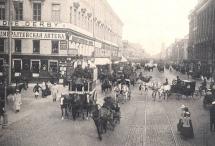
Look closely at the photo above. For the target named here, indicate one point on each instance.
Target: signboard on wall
(73, 51)
(33, 35)
(63, 45)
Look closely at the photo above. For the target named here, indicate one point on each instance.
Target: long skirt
(187, 132)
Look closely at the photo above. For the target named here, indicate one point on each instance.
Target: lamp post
(5, 119)
(10, 41)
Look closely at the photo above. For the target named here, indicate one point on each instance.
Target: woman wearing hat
(17, 101)
(180, 122)
(187, 127)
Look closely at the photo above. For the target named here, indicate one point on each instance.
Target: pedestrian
(62, 105)
(212, 117)
(43, 87)
(187, 127)
(36, 90)
(117, 92)
(54, 92)
(17, 101)
(180, 122)
(2, 111)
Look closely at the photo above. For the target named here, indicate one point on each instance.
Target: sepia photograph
(107, 72)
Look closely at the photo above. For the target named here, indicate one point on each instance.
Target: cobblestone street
(144, 122)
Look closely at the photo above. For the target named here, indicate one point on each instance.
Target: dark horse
(145, 79)
(108, 114)
(106, 86)
(78, 105)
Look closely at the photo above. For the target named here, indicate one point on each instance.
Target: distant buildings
(177, 51)
(47, 34)
(132, 50)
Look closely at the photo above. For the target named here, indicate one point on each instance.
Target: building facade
(47, 34)
(177, 51)
(132, 51)
(201, 34)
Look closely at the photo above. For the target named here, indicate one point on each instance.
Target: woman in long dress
(17, 101)
(187, 127)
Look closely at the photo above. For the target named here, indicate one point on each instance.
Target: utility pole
(10, 42)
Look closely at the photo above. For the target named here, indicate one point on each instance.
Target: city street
(144, 122)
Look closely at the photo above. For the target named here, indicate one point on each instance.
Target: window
(1, 65)
(55, 46)
(71, 13)
(35, 66)
(36, 11)
(75, 16)
(18, 46)
(2, 10)
(18, 6)
(36, 46)
(17, 64)
(56, 12)
(53, 66)
(1, 45)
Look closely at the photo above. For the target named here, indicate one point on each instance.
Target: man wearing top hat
(212, 117)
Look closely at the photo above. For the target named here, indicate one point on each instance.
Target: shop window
(25, 64)
(53, 66)
(37, 11)
(35, 68)
(55, 46)
(17, 65)
(18, 6)
(44, 65)
(2, 10)
(36, 46)
(1, 45)
(56, 12)
(18, 46)
(1, 65)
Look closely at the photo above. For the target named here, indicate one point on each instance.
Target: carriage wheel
(174, 82)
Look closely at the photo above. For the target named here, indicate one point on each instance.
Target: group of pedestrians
(47, 89)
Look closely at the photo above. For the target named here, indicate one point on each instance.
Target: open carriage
(82, 90)
(123, 92)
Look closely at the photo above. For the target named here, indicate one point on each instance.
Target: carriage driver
(166, 82)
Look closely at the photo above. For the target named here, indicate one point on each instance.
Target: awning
(102, 61)
(123, 59)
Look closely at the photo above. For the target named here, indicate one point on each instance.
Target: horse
(145, 79)
(79, 104)
(106, 115)
(106, 86)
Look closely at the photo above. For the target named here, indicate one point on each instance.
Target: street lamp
(5, 119)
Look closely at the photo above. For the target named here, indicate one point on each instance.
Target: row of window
(80, 18)
(36, 46)
(18, 9)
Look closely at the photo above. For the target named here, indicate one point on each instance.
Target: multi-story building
(177, 51)
(132, 50)
(47, 34)
(201, 34)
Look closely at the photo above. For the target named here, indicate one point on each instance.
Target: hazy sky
(151, 22)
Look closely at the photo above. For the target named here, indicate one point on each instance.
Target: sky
(153, 22)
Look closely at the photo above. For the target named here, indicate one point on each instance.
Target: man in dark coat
(212, 117)
(2, 110)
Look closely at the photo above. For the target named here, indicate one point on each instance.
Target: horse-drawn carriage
(122, 90)
(82, 91)
(183, 87)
